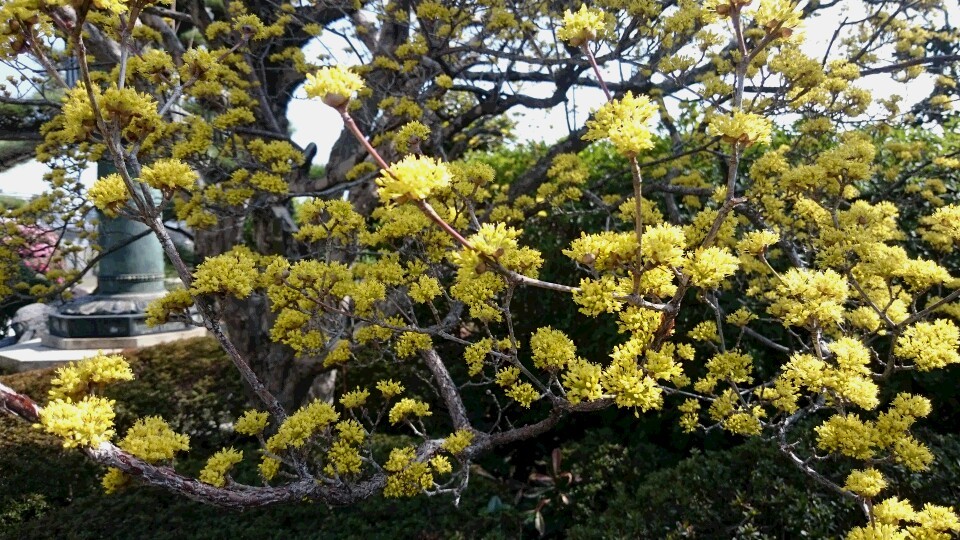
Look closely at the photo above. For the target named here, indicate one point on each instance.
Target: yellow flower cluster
(663, 244)
(730, 366)
(344, 455)
(389, 388)
(218, 466)
(552, 349)
(942, 229)
(523, 393)
(864, 439)
(708, 267)
(75, 380)
(114, 480)
(355, 398)
(88, 422)
(234, 273)
(322, 219)
(807, 297)
(169, 175)
(161, 310)
(252, 422)
(109, 194)
(152, 440)
(582, 381)
(866, 483)
(458, 441)
(586, 24)
(931, 522)
(931, 345)
(335, 86)
(300, 426)
(408, 477)
(606, 250)
(411, 133)
(408, 407)
(625, 123)
(740, 128)
(475, 354)
(413, 178)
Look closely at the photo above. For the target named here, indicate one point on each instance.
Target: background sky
(314, 122)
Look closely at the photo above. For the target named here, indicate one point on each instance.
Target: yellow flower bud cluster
(328, 219)
(931, 345)
(853, 437)
(741, 128)
(302, 425)
(252, 422)
(218, 466)
(169, 175)
(625, 123)
(335, 86)
(584, 25)
(152, 440)
(75, 380)
(414, 178)
(87, 422)
(344, 455)
(932, 521)
(234, 273)
(808, 297)
(407, 407)
(161, 310)
(109, 194)
(408, 477)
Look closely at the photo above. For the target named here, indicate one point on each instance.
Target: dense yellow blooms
(114, 480)
(708, 267)
(582, 381)
(457, 441)
(302, 425)
(741, 128)
(407, 407)
(252, 422)
(625, 122)
(407, 477)
(552, 349)
(413, 178)
(218, 466)
(354, 399)
(333, 85)
(866, 483)
(152, 440)
(807, 297)
(931, 345)
(73, 381)
(234, 273)
(109, 194)
(169, 175)
(586, 24)
(87, 422)
(389, 388)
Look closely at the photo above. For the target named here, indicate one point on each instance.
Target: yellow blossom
(87, 422)
(741, 128)
(866, 483)
(252, 422)
(413, 178)
(407, 407)
(625, 122)
(333, 85)
(581, 26)
(152, 440)
(219, 465)
(109, 194)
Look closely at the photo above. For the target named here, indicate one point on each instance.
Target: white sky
(314, 122)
